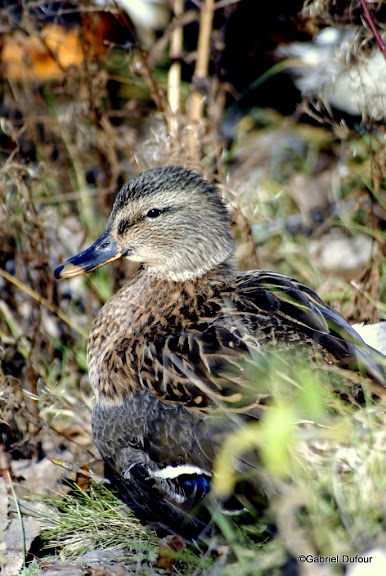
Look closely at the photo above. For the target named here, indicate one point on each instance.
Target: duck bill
(105, 249)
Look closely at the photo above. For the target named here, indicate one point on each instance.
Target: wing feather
(205, 363)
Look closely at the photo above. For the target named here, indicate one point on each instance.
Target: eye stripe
(152, 213)
(124, 225)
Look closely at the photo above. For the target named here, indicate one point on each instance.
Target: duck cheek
(133, 256)
(137, 255)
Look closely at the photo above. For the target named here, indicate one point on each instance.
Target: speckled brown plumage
(167, 352)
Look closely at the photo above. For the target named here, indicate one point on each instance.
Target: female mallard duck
(164, 352)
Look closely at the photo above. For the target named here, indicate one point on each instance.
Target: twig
(370, 21)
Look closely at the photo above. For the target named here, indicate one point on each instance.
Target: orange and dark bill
(105, 249)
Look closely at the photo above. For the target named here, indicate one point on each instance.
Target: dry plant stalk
(174, 77)
(42, 301)
(200, 73)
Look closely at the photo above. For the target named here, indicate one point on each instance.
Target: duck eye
(154, 213)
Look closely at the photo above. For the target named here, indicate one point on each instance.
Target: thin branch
(154, 89)
(370, 21)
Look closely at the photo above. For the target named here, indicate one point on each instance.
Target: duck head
(170, 220)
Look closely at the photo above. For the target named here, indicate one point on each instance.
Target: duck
(167, 354)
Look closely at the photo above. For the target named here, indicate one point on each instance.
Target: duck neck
(219, 274)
